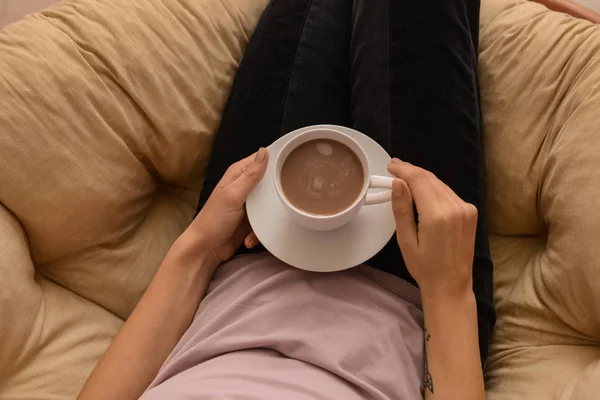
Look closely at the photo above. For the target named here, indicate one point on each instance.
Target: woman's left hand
(153, 329)
(221, 226)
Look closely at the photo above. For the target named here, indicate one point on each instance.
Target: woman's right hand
(438, 251)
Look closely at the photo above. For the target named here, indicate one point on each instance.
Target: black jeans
(403, 72)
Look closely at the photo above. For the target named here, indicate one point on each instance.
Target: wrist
(438, 296)
(189, 252)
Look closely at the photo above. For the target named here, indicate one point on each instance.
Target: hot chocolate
(322, 177)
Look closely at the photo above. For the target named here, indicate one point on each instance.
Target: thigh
(418, 96)
(295, 72)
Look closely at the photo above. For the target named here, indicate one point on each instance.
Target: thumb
(402, 204)
(254, 170)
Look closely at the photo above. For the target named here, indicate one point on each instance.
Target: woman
(405, 73)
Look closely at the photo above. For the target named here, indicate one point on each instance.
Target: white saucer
(342, 248)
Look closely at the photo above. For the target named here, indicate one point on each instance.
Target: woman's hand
(438, 252)
(168, 306)
(221, 227)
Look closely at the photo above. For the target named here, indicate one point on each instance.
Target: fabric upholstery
(108, 115)
(540, 80)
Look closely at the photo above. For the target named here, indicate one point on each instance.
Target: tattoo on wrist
(427, 379)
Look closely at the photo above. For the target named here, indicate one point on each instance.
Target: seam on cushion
(34, 343)
(45, 269)
(540, 246)
(51, 279)
(41, 315)
(289, 79)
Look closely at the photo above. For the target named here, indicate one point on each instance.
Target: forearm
(452, 364)
(155, 326)
(572, 8)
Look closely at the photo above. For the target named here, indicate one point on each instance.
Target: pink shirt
(269, 331)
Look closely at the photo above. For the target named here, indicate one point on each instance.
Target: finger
(242, 232)
(251, 240)
(427, 191)
(236, 170)
(402, 204)
(252, 172)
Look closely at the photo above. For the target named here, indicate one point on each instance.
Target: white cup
(333, 221)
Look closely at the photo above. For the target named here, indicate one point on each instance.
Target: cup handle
(379, 182)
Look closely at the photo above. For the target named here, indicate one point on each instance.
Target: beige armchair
(108, 110)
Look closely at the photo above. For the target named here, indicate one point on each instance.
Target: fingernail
(396, 160)
(261, 155)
